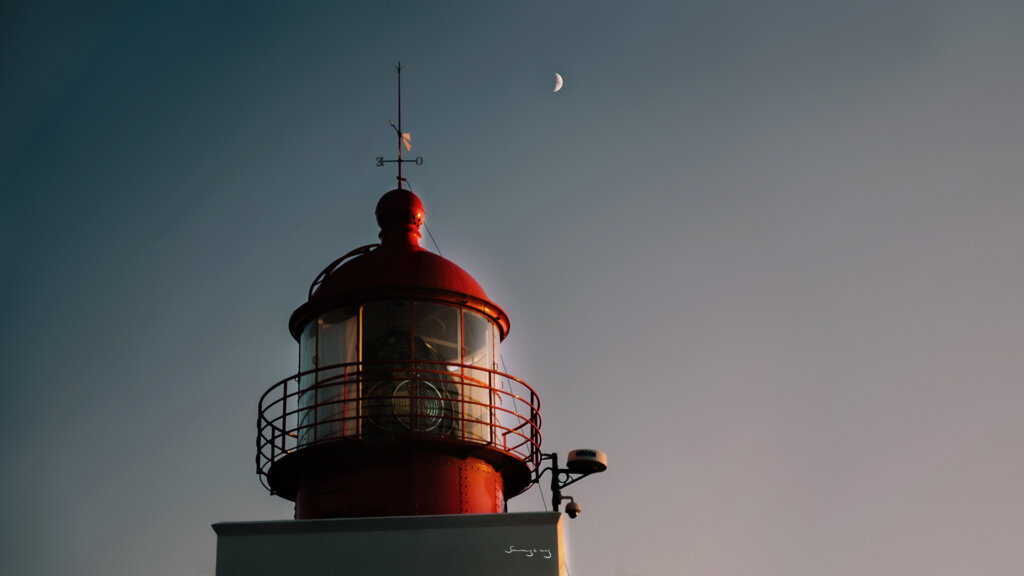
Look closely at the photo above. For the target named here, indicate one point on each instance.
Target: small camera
(573, 509)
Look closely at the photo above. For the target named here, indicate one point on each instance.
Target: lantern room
(398, 406)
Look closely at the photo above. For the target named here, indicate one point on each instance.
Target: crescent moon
(558, 82)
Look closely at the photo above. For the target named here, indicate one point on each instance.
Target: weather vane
(404, 138)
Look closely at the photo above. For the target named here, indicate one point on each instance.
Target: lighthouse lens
(418, 406)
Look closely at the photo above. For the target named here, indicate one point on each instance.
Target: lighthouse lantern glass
(337, 346)
(386, 331)
(437, 332)
(330, 346)
(476, 388)
(307, 381)
(387, 368)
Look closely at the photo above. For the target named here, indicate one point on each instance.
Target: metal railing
(395, 400)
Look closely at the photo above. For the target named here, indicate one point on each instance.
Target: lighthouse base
(523, 544)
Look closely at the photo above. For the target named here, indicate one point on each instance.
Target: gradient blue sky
(768, 256)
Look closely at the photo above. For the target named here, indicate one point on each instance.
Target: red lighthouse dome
(397, 267)
(398, 407)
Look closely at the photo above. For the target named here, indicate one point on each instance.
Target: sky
(767, 256)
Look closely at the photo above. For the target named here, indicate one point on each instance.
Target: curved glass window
(476, 388)
(386, 331)
(327, 345)
(437, 331)
(386, 369)
(390, 387)
(307, 380)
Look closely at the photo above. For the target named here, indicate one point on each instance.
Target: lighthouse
(398, 407)
(398, 438)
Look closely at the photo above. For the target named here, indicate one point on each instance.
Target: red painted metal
(398, 269)
(402, 436)
(383, 466)
(402, 483)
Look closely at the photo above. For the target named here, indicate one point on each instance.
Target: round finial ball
(399, 207)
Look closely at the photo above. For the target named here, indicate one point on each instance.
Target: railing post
(315, 410)
(284, 418)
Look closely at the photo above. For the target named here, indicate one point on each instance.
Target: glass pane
(339, 337)
(386, 331)
(389, 388)
(437, 339)
(504, 408)
(307, 397)
(479, 351)
(337, 389)
(437, 332)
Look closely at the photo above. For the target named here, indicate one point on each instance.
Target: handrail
(397, 399)
(322, 276)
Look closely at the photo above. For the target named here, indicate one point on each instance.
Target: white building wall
(524, 544)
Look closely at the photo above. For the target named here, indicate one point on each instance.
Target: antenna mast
(398, 68)
(404, 138)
